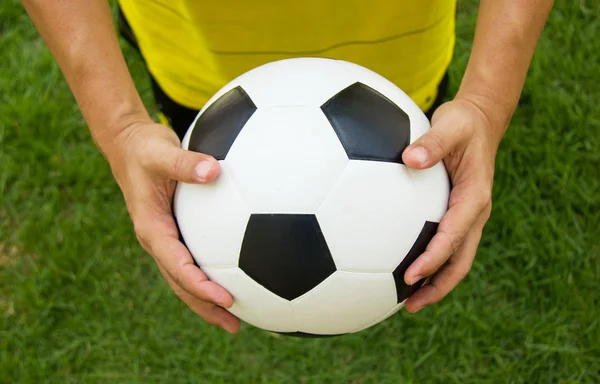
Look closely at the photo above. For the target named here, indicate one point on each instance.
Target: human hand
(465, 138)
(147, 161)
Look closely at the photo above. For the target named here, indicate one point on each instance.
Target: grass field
(80, 302)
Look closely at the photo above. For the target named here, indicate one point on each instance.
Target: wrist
(116, 132)
(496, 113)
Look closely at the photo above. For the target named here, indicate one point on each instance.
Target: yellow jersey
(194, 47)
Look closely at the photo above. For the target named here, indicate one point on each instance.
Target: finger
(169, 160)
(212, 314)
(157, 232)
(448, 277)
(448, 130)
(454, 226)
(176, 263)
(225, 319)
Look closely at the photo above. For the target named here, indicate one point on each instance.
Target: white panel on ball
(418, 121)
(285, 160)
(212, 219)
(370, 218)
(432, 190)
(252, 302)
(344, 302)
(300, 81)
(389, 314)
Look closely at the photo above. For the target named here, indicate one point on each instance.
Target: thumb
(445, 135)
(173, 162)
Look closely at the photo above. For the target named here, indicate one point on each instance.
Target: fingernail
(419, 154)
(229, 327)
(203, 168)
(224, 317)
(221, 300)
(415, 279)
(418, 309)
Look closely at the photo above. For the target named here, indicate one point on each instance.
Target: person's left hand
(464, 137)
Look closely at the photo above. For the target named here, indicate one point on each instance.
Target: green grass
(81, 302)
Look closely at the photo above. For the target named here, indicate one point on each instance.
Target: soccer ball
(314, 218)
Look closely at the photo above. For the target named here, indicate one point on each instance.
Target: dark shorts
(180, 117)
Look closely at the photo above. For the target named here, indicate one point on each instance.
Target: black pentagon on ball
(369, 125)
(404, 291)
(217, 128)
(285, 253)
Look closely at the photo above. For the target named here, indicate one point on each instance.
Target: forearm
(81, 36)
(505, 38)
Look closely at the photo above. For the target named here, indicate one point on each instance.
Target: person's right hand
(147, 161)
